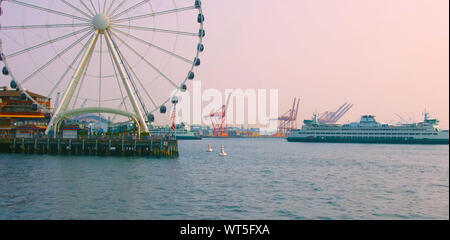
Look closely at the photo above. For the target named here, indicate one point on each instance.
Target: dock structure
(145, 147)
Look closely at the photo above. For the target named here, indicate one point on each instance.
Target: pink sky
(385, 56)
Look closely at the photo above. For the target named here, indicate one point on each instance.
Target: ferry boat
(368, 130)
(182, 132)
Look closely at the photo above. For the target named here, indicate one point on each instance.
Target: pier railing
(156, 146)
(90, 137)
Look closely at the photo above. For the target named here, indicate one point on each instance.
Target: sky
(386, 57)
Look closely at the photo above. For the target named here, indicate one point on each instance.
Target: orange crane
(219, 120)
(288, 121)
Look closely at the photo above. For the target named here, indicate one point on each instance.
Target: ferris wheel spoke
(110, 6)
(77, 9)
(79, 89)
(111, 100)
(154, 46)
(70, 67)
(49, 10)
(156, 30)
(140, 83)
(155, 14)
(130, 9)
(92, 4)
(87, 8)
(117, 8)
(44, 26)
(104, 6)
(47, 42)
(146, 61)
(56, 57)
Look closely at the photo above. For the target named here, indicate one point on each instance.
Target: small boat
(222, 152)
(209, 148)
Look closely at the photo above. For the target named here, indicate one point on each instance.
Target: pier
(92, 146)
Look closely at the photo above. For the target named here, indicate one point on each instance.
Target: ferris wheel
(123, 58)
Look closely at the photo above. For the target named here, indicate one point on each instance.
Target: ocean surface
(260, 179)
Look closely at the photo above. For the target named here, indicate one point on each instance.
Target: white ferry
(182, 132)
(368, 130)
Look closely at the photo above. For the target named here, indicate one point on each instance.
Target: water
(260, 179)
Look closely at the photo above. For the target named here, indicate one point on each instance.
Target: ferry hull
(188, 138)
(379, 141)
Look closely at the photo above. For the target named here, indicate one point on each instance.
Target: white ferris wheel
(113, 57)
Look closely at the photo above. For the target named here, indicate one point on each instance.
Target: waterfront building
(19, 113)
(70, 131)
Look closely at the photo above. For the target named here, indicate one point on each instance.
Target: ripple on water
(262, 179)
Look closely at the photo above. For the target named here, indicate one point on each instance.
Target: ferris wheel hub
(101, 22)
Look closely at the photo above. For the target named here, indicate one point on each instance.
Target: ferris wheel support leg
(68, 95)
(55, 129)
(126, 83)
(139, 129)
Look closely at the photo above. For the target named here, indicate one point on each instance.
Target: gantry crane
(288, 121)
(219, 120)
(333, 117)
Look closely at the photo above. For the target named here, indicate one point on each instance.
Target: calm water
(261, 179)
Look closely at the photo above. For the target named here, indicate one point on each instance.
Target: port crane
(173, 117)
(219, 120)
(401, 118)
(288, 121)
(332, 117)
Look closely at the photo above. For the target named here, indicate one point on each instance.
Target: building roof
(30, 127)
(15, 93)
(22, 115)
(71, 127)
